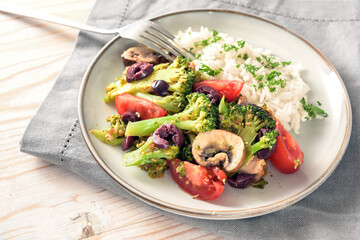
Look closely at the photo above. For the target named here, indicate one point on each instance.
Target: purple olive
(128, 141)
(266, 152)
(211, 92)
(138, 71)
(241, 180)
(130, 116)
(160, 87)
(166, 132)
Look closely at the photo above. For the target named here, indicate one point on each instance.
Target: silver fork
(147, 32)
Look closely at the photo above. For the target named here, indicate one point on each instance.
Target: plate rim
(209, 214)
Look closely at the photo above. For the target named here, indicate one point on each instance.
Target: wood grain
(39, 200)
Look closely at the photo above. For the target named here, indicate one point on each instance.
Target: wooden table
(39, 200)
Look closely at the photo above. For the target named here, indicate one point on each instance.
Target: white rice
(284, 101)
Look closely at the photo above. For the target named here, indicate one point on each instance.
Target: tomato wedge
(202, 183)
(287, 157)
(228, 88)
(127, 102)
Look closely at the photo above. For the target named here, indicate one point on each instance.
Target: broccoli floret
(172, 103)
(114, 135)
(155, 169)
(200, 115)
(148, 153)
(246, 121)
(179, 77)
(186, 152)
(268, 140)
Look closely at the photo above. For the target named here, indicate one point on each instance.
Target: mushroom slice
(255, 166)
(142, 54)
(219, 147)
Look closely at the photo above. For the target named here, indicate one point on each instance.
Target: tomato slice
(287, 157)
(127, 102)
(228, 88)
(202, 183)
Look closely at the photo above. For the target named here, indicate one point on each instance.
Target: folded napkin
(331, 212)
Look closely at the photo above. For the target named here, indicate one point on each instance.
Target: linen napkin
(331, 212)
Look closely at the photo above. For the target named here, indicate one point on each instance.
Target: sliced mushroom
(255, 166)
(219, 148)
(242, 100)
(142, 54)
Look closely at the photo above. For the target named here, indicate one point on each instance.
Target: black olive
(211, 92)
(130, 116)
(138, 71)
(128, 141)
(160, 87)
(241, 180)
(165, 132)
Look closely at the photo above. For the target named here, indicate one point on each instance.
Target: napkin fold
(331, 212)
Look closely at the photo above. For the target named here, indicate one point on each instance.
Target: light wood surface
(36, 200)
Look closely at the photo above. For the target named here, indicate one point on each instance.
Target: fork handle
(9, 8)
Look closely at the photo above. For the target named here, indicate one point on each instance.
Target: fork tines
(162, 41)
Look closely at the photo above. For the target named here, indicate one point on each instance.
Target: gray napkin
(331, 212)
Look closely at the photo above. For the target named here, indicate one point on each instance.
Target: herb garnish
(285, 63)
(227, 47)
(241, 43)
(312, 110)
(209, 71)
(251, 69)
(246, 56)
(197, 55)
(269, 62)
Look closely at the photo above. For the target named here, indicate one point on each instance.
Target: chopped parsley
(269, 62)
(208, 41)
(260, 77)
(251, 69)
(258, 59)
(271, 82)
(228, 47)
(204, 43)
(206, 69)
(246, 56)
(216, 36)
(285, 63)
(241, 43)
(313, 110)
(239, 56)
(197, 55)
(260, 184)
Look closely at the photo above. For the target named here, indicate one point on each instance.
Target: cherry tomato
(127, 102)
(202, 183)
(287, 157)
(228, 88)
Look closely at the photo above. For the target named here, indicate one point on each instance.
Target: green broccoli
(178, 75)
(246, 121)
(148, 153)
(268, 140)
(114, 135)
(186, 152)
(172, 103)
(200, 115)
(155, 169)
